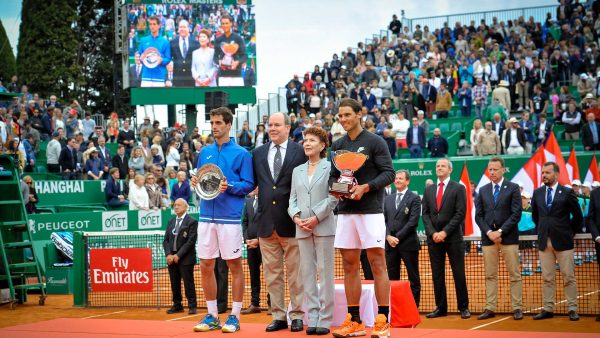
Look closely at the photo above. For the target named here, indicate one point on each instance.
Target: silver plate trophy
(209, 178)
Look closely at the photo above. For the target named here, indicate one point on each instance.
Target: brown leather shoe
(251, 309)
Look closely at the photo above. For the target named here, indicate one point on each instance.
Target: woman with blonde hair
(113, 127)
(137, 160)
(155, 197)
(138, 196)
(475, 132)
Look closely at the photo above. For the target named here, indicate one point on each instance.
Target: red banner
(121, 270)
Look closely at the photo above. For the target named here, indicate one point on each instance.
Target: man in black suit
(273, 165)
(593, 224)
(402, 211)
(514, 138)
(498, 211)
(542, 129)
(498, 125)
(444, 205)
(557, 217)
(249, 228)
(121, 161)
(181, 52)
(135, 72)
(591, 133)
(179, 245)
(415, 139)
(523, 77)
(67, 160)
(126, 137)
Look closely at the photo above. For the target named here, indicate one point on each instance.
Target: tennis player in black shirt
(361, 224)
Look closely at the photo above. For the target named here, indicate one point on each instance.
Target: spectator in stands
(104, 155)
(474, 137)
(390, 140)
(480, 95)
(72, 123)
(260, 136)
(488, 142)
(415, 139)
(113, 127)
(400, 126)
(543, 129)
(523, 78)
(94, 166)
(245, 136)
(12, 149)
(498, 124)
(428, 96)
(53, 150)
(585, 85)
(173, 156)
(181, 189)
(297, 134)
(539, 101)
(527, 125)
(137, 161)
(126, 137)
(32, 200)
(314, 101)
(514, 138)
(591, 133)
(30, 157)
(58, 121)
(68, 160)
(114, 196)
(47, 123)
(443, 102)
(121, 161)
(155, 196)
(437, 145)
(572, 121)
(138, 196)
(385, 83)
(502, 95)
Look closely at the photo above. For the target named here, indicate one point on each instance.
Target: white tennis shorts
(215, 238)
(356, 231)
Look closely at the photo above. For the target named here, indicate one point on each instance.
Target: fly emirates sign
(121, 270)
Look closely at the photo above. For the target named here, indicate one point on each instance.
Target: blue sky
(293, 36)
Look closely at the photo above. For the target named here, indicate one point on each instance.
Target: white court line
(178, 318)
(530, 311)
(490, 323)
(104, 314)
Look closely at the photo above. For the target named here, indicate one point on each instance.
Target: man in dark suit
(514, 138)
(542, 129)
(121, 161)
(444, 205)
(68, 160)
(273, 165)
(402, 211)
(415, 139)
(498, 211)
(254, 259)
(112, 190)
(498, 125)
(593, 224)
(557, 217)
(104, 155)
(179, 245)
(523, 77)
(591, 133)
(437, 145)
(135, 72)
(181, 52)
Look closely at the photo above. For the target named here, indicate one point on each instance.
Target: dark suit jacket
(587, 138)
(547, 130)
(112, 189)
(122, 165)
(505, 214)
(409, 136)
(450, 217)
(502, 127)
(68, 159)
(520, 76)
(182, 64)
(135, 79)
(106, 158)
(402, 222)
(556, 223)
(593, 217)
(249, 226)
(185, 239)
(520, 137)
(274, 196)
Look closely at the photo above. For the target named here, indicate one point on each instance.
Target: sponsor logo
(58, 226)
(421, 172)
(114, 221)
(55, 281)
(59, 187)
(149, 219)
(121, 270)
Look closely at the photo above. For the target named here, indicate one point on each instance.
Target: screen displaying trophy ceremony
(190, 44)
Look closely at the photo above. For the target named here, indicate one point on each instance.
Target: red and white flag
(592, 173)
(471, 229)
(530, 175)
(572, 166)
(485, 179)
(553, 154)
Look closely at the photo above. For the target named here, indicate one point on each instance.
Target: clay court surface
(58, 318)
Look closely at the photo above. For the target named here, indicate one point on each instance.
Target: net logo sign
(121, 270)
(149, 219)
(114, 221)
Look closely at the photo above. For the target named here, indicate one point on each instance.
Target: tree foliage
(7, 58)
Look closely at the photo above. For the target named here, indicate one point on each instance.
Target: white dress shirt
(445, 185)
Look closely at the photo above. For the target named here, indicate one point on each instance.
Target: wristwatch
(500, 231)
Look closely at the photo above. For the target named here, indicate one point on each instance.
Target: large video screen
(193, 43)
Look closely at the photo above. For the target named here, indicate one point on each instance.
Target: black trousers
(394, 258)
(53, 168)
(222, 276)
(456, 256)
(185, 272)
(254, 262)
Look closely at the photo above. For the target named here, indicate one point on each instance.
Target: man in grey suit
(498, 211)
(557, 217)
(311, 208)
(402, 211)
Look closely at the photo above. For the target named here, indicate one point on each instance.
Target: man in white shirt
(53, 153)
